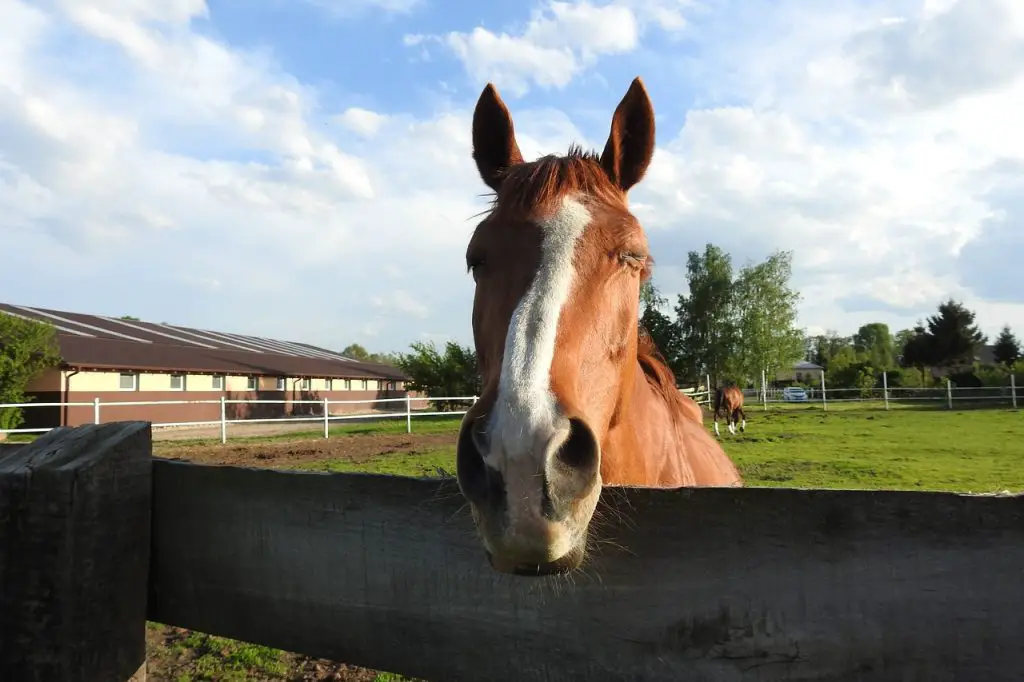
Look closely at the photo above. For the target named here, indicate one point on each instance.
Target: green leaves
(728, 327)
(451, 374)
(27, 348)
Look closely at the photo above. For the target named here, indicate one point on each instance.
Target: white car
(794, 394)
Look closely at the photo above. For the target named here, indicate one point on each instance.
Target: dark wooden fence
(706, 585)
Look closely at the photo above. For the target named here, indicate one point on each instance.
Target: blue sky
(301, 169)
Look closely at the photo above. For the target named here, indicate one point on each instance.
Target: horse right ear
(494, 138)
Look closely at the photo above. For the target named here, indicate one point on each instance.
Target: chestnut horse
(573, 396)
(729, 401)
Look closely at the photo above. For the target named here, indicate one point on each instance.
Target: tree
(917, 348)
(660, 327)
(130, 318)
(826, 346)
(874, 342)
(765, 318)
(452, 374)
(357, 352)
(952, 336)
(1007, 348)
(706, 317)
(27, 348)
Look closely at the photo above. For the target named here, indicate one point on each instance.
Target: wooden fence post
(74, 554)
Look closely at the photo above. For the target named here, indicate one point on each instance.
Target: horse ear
(630, 146)
(494, 138)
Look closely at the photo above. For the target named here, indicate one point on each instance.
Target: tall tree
(826, 346)
(766, 334)
(1007, 348)
(706, 316)
(27, 348)
(953, 337)
(875, 344)
(662, 329)
(357, 352)
(917, 348)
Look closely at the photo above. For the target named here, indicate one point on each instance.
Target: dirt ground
(284, 454)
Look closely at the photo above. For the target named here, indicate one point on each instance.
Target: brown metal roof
(100, 342)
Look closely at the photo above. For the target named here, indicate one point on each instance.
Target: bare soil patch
(286, 454)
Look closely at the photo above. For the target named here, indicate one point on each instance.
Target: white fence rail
(885, 396)
(320, 413)
(113, 410)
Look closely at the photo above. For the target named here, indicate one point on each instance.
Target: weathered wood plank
(74, 554)
(701, 585)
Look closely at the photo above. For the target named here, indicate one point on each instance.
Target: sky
(301, 169)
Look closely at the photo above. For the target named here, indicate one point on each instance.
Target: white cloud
(560, 41)
(189, 180)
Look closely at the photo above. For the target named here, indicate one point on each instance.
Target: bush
(27, 348)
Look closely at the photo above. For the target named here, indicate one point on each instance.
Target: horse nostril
(478, 482)
(580, 449)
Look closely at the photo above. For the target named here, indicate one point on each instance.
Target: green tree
(27, 348)
(1007, 348)
(826, 346)
(662, 329)
(453, 373)
(917, 349)
(706, 316)
(952, 337)
(357, 352)
(765, 318)
(875, 344)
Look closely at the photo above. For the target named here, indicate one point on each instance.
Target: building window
(218, 383)
(129, 381)
(304, 385)
(280, 384)
(348, 384)
(252, 384)
(177, 382)
(329, 384)
(364, 384)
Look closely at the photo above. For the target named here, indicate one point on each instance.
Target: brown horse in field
(574, 397)
(729, 401)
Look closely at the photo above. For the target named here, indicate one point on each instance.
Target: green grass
(846, 447)
(970, 450)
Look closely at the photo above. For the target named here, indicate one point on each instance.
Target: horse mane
(659, 375)
(540, 183)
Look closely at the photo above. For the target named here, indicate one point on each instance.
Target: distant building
(801, 372)
(130, 360)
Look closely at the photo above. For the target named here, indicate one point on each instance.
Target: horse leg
(743, 417)
(715, 417)
(732, 421)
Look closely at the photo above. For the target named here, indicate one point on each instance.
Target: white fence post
(824, 400)
(327, 418)
(885, 389)
(95, 410)
(1013, 390)
(949, 393)
(223, 420)
(408, 413)
(764, 391)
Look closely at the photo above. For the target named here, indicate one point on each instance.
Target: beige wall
(107, 381)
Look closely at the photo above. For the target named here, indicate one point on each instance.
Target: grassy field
(973, 450)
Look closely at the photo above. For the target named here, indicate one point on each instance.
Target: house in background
(118, 360)
(803, 372)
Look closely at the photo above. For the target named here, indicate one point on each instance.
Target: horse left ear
(630, 146)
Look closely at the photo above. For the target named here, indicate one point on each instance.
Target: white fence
(322, 409)
(885, 396)
(114, 410)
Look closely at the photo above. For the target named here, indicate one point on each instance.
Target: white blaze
(524, 390)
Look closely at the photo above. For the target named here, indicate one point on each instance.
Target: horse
(729, 401)
(574, 397)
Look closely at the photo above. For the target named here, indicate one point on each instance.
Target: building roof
(100, 342)
(805, 365)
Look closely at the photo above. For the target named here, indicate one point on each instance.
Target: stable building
(126, 360)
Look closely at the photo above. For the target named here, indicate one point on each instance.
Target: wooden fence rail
(384, 572)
